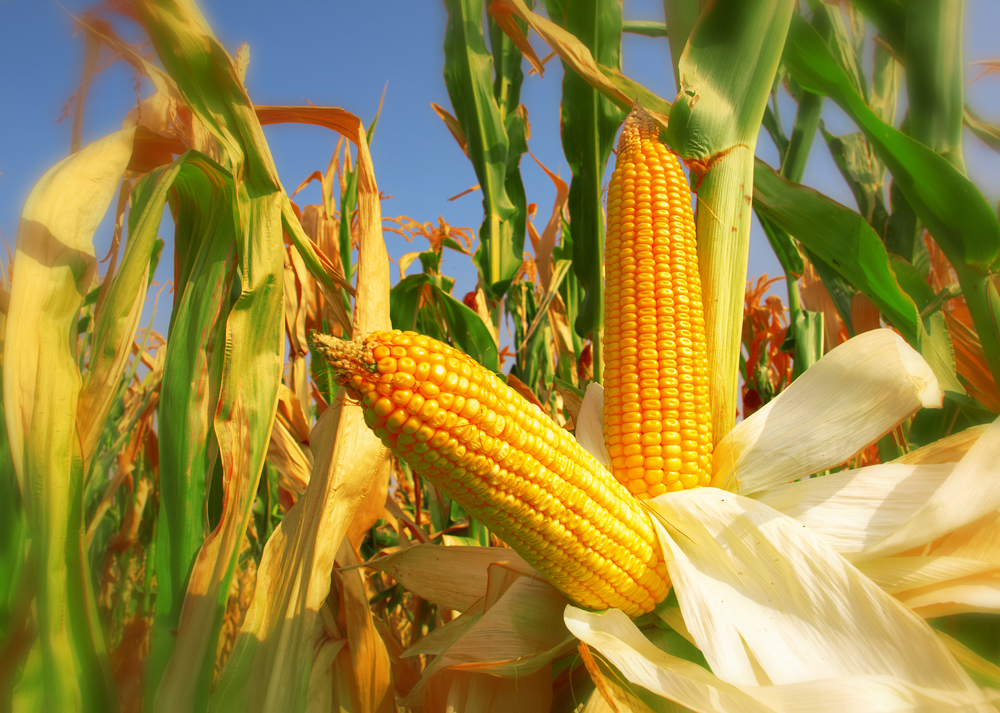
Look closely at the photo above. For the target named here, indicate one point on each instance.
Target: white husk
(618, 639)
(882, 510)
(848, 399)
(746, 575)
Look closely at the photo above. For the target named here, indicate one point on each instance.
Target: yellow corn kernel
(656, 371)
(509, 465)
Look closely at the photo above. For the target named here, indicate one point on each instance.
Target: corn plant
(210, 519)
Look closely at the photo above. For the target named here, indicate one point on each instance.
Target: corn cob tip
(344, 356)
(638, 123)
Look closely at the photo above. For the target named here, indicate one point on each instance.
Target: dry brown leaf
(456, 131)
(559, 322)
(452, 577)
(970, 361)
(466, 192)
(297, 282)
(525, 391)
(544, 244)
(291, 459)
(468, 691)
(864, 314)
(513, 633)
(990, 66)
(571, 402)
(366, 658)
(815, 298)
(600, 681)
(393, 509)
(504, 17)
(405, 671)
(127, 662)
(574, 53)
(484, 315)
(242, 61)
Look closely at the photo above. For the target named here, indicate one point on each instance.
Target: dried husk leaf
(872, 513)
(617, 638)
(898, 574)
(949, 449)
(757, 587)
(854, 509)
(468, 691)
(451, 577)
(814, 424)
(970, 492)
(515, 632)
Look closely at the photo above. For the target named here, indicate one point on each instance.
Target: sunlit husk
(736, 562)
(511, 633)
(832, 641)
(886, 509)
(453, 577)
(617, 639)
(815, 423)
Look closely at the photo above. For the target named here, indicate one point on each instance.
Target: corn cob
(657, 423)
(507, 463)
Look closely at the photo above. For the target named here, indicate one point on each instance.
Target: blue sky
(344, 54)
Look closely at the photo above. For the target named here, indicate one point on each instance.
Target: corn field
(325, 488)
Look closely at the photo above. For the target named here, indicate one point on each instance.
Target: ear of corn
(509, 465)
(657, 423)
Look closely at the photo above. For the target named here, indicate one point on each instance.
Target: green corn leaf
(589, 122)
(935, 342)
(934, 76)
(952, 208)
(444, 318)
(201, 199)
(209, 82)
(841, 238)
(860, 169)
(647, 28)
(468, 76)
(889, 18)
(844, 44)
(121, 308)
(954, 211)
(15, 594)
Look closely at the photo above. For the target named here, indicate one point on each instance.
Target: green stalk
(725, 73)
